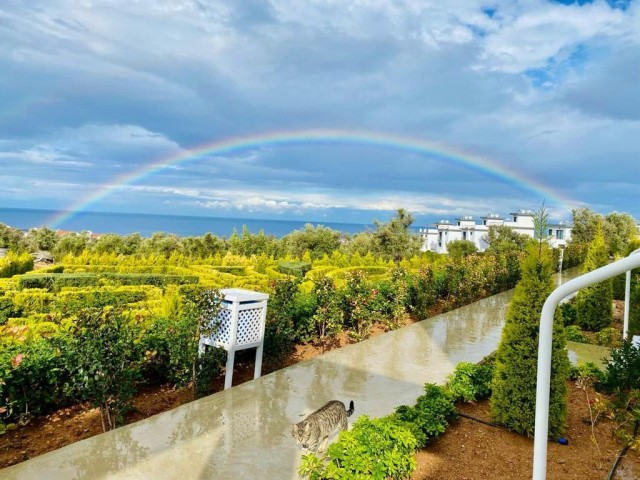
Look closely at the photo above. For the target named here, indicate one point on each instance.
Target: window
(560, 234)
(551, 232)
(464, 235)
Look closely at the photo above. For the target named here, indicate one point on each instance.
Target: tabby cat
(313, 432)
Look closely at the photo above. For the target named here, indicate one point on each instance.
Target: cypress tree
(513, 400)
(594, 303)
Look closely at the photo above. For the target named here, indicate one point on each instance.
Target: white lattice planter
(241, 325)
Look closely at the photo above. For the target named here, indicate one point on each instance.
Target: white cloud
(97, 90)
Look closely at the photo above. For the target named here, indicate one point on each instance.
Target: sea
(147, 224)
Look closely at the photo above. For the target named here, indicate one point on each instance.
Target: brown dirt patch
(473, 451)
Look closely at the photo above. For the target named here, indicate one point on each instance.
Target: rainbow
(316, 136)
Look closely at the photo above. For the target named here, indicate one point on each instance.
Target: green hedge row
(56, 281)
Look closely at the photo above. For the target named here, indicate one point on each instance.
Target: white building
(466, 228)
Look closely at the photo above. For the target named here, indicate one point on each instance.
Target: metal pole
(627, 299)
(544, 352)
(627, 295)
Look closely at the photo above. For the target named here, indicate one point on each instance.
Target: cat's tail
(351, 408)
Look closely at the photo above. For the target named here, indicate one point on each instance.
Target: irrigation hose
(623, 452)
(479, 420)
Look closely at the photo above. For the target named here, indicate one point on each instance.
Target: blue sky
(91, 91)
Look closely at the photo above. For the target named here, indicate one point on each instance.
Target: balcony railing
(544, 348)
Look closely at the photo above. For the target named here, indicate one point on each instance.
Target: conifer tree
(594, 303)
(513, 401)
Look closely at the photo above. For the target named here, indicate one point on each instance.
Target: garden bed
(473, 451)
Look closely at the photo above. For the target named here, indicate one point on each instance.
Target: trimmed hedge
(56, 281)
(73, 301)
(6, 309)
(157, 280)
(298, 269)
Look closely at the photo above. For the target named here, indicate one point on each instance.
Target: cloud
(95, 92)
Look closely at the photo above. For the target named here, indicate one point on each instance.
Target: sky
(331, 110)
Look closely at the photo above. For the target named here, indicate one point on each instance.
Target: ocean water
(147, 224)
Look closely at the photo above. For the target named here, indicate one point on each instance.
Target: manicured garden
(116, 317)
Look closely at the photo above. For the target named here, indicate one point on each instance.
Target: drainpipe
(627, 295)
(544, 352)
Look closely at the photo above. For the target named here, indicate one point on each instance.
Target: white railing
(544, 350)
(627, 295)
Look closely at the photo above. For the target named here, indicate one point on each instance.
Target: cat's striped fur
(313, 432)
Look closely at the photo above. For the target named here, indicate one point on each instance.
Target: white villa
(466, 228)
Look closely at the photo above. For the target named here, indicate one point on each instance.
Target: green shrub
(422, 292)
(233, 270)
(513, 399)
(588, 370)
(53, 269)
(15, 264)
(158, 280)
(303, 321)
(594, 303)
(170, 345)
(634, 311)
(44, 281)
(357, 304)
(574, 334)
(623, 369)
(327, 318)
(430, 416)
(75, 280)
(470, 381)
(71, 302)
(103, 362)
(6, 309)
(567, 313)
(55, 281)
(33, 301)
(608, 337)
(279, 333)
(32, 377)
(377, 448)
(297, 269)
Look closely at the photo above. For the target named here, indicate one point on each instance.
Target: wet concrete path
(244, 432)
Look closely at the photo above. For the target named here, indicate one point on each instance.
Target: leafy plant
(279, 328)
(357, 304)
(104, 364)
(378, 448)
(470, 382)
(574, 334)
(623, 369)
(328, 316)
(32, 377)
(608, 337)
(593, 304)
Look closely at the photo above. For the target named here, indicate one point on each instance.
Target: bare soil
(467, 451)
(470, 450)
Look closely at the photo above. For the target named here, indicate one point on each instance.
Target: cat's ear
(307, 427)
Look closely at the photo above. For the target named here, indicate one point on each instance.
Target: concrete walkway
(244, 432)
